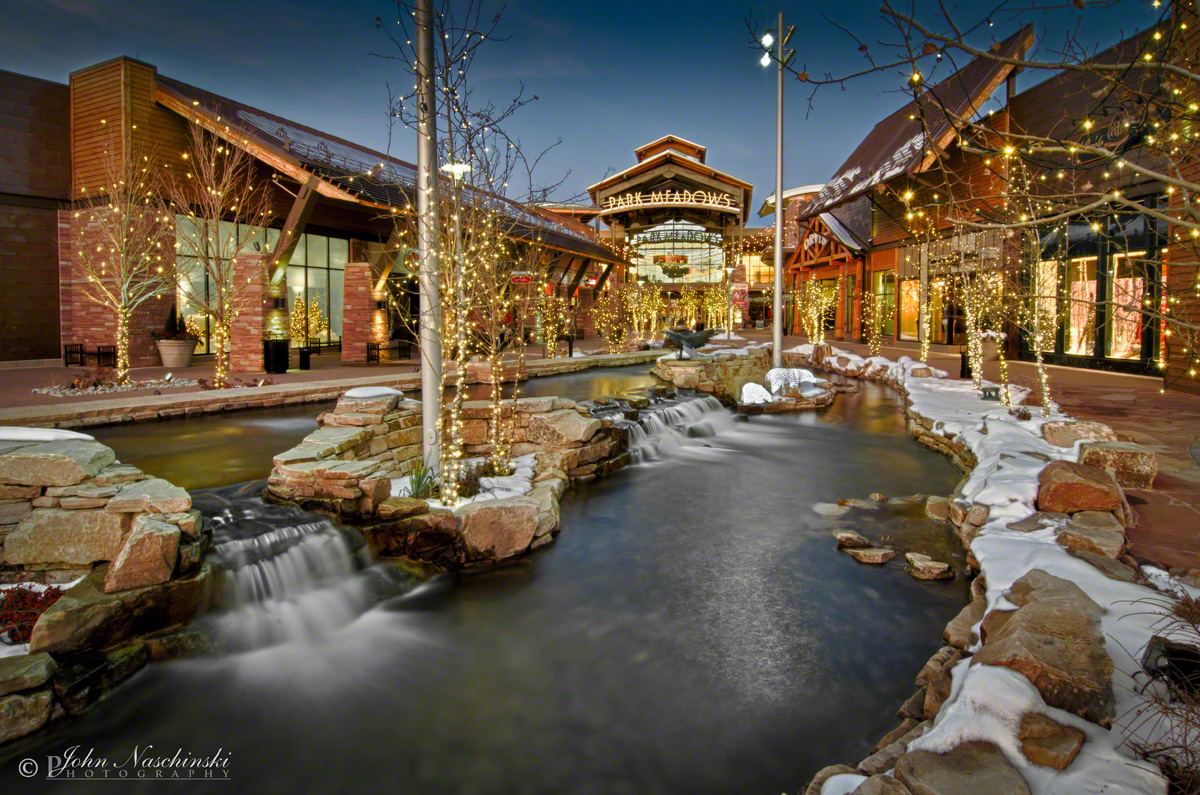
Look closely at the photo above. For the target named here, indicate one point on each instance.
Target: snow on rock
(519, 483)
(728, 336)
(14, 434)
(779, 377)
(756, 393)
(372, 392)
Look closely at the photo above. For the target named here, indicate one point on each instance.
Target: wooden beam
(289, 236)
(583, 266)
(603, 278)
(391, 249)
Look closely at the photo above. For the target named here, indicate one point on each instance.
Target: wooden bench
(75, 353)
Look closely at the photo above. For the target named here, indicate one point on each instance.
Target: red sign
(591, 281)
(521, 278)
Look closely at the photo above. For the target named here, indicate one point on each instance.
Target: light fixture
(768, 39)
(456, 170)
(766, 59)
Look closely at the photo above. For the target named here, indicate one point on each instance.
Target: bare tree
(219, 211)
(121, 242)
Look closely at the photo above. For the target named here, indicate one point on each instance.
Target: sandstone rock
(1064, 433)
(848, 539)
(1066, 487)
(1112, 569)
(940, 684)
(561, 428)
(190, 523)
(1055, 640)
(1046, 742)
(959, 633)
(978, 514)
(876, 556)
(118, 475)
(148, 557)
(548, 513)
(61, 463)
(23, 714)
(885, 758)
(498, 529)
(86, 617)
(152, 495)
(191, 555)
(904, 728)
(924, 567)
(11, 492)
(1039, 520)
(379, 404)
(974, 767)
(76, 503)
(937, 509)
(877, 497)
(13, 511)
(344, 470)
(25, 672)
(881, 785)
(87, 677)
(823, 775)
(914, 707)
(1133, 466)
(1107, 542)
(51, 535)
(400, 507)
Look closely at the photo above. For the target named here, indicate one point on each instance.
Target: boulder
(152, 495)
(885, 758)
(23, 714)
(1133, 466)
(497, 529)
(959, 633)
(937, 509)
(1107, 542)
(561, 428)
(1067, 487)
(904, 728)
(848, 539)
(148, 557)
(1112, 569)
(86, 617)
(85, 678)
(1065, 433)
(25, 672)
(51, 535)
(924, 567)
(975, 767)
(1046, 742)
(876, 556)
(61, 463)
(1054, 638)
(400, 507)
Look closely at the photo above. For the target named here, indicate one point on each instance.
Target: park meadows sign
(712, 200)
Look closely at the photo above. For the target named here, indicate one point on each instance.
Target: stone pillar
(362, 321)
(250, 315)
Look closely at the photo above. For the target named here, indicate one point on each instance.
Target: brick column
(362, 322)
(249, 321)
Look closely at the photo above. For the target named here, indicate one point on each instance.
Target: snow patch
(11, 434)
(363, 392)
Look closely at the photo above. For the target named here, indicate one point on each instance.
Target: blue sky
(609, 76)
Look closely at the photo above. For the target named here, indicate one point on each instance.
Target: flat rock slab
(25, 672)
(959, 633)
(561, 428)
(63, 463)
(1067, 487)
(1046, 742)
(848, 539)
(876, 556)
(400, 507)
(1112, 569)
(1109, 543)
(924, 567)
(1065, 433)
(148, 557)
(881, 785)
(51, 535)
(975, 767)
(1038, 521)
(152, 495)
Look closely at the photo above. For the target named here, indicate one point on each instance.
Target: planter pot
(991, 350)
(176, 353)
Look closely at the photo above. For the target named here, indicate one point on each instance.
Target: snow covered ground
(986, 702)
(520, 482)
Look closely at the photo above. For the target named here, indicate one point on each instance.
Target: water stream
(692, 629)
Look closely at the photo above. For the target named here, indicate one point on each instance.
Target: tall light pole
(729, 301)
(428, 269)
(779, 36)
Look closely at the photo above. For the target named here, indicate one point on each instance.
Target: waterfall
(290, 576)
(660, 430)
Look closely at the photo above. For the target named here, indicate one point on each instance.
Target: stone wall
(723, 374)
(70, 510)
(362, 322)
(250, 319)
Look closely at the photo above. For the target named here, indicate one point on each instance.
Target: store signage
(665, 198)
(815, 239)
(661, 259)
(592, 281)
(521, 277)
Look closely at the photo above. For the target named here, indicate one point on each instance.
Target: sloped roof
(371, 177)
(897, 145)
(842, 232)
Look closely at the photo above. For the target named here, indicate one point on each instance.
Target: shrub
(423, 482)
(469, 478)
(20, 609)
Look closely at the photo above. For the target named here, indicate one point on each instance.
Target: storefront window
(829, 288)
(1126, 291)
(1081, 309)
(941, 316)
(848, 306)
(910, 304)
(883, 286)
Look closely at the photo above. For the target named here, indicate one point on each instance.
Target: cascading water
(289, 576)
(659, 430)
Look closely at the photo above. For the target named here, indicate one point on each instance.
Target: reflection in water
(693, 629)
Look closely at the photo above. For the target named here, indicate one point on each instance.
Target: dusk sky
(609, 75)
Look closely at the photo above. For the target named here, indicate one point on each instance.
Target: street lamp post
(729, 302)
(427, 235)
(779, 36)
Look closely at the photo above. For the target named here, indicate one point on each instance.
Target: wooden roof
(668, 142)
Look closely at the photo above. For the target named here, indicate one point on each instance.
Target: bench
(76, 353)
(374, 349)
(318, 345)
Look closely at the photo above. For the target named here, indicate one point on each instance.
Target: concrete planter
(991, 350)
(176, 353)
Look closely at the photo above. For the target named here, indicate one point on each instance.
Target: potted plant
(176, 343)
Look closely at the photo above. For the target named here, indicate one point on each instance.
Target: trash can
(305, 358)
(964, 369)
(275, 355)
